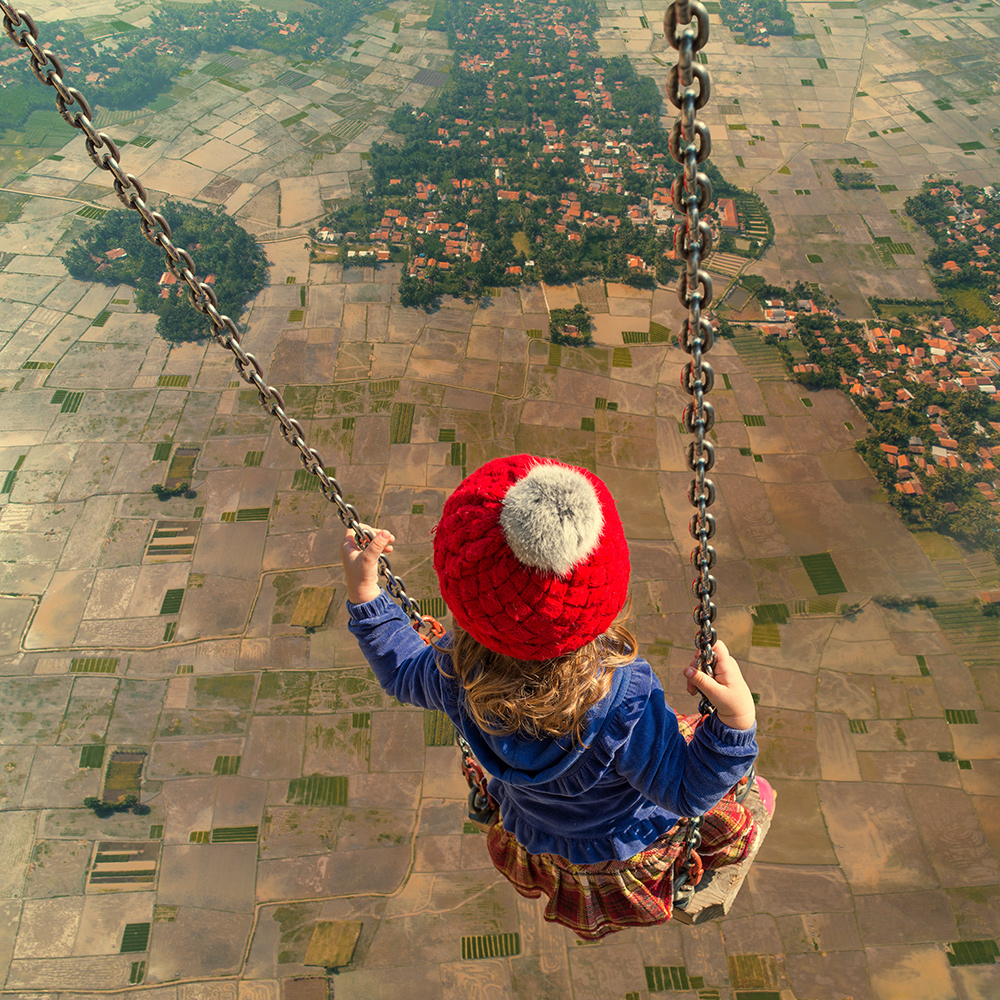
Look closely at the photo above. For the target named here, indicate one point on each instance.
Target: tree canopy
(238, 263)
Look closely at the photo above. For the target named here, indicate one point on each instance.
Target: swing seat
(715, 894)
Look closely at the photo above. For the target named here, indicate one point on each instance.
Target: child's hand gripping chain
(361, 564)
(726, 689)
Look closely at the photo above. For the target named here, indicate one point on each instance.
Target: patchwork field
(899, 89)
(270, 144)
(205, 636)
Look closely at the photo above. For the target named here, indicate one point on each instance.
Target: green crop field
(401, 423)
(438, 729)
(766, 614)
(973, 635)
(234, 835)
(317, 790)
(823, 573)
(765, 635)
(348, 128)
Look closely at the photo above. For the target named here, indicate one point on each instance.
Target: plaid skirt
(598, 899)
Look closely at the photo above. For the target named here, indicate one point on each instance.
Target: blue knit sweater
(608, 799)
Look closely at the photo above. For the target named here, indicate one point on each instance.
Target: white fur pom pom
(552, 518)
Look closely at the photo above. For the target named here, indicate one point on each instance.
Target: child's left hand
(361, 564)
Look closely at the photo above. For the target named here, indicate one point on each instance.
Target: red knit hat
(531, 557)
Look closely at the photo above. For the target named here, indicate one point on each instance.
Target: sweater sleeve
(403, 663)
(686, 778)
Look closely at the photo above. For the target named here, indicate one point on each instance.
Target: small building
(729, 220)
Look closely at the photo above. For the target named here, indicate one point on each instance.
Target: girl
(591, 771)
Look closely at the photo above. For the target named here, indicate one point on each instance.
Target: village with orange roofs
(580, 187)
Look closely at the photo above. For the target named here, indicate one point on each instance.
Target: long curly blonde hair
(545, 698)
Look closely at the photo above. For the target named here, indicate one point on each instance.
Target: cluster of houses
(542, 24)
(945, 362)
(73, 60)
(596, 160)
(331, 238)
(948, 362)
(967, 228)
(169, 282)
(929, 458)
(399, 230)
(459, 243)
(605, 156)
(750, 19)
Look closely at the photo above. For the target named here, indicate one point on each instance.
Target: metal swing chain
(688, 90)
(49, 70)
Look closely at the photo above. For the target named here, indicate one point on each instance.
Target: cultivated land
(908, 89)
(201, 641)
(267, 142)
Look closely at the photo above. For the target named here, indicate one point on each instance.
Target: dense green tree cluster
(138, 76)
(127, 803)
(219, 27)
(853, 180)
(905, 603)
(812, 332)
(927, 209)
(563, 321)
(238, 262)
(22, 93)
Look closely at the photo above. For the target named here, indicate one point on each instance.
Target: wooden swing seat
(717, 891)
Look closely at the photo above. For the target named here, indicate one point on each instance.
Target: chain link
(689, 865)
(482, 806)
(131, 193)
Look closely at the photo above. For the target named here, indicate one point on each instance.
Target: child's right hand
(361, 564)
(726, 690)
